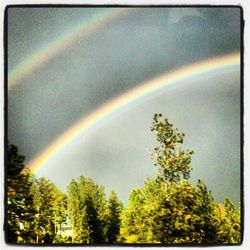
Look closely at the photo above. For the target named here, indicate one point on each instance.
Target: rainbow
(61, 43)
(144, 89)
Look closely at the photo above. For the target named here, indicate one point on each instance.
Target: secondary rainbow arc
(146, 88)
(61, 43)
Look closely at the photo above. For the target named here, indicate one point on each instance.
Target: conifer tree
(20, 212)
(50, 206)
(88, 211)
(113, 217)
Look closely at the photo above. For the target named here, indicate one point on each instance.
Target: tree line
(168, 209)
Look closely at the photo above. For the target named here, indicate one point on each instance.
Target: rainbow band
(134, 94)
(62, 42)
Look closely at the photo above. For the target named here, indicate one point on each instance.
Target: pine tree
(114, 221)
(76, 213)
(50, 206)
(88, 211)
(19, 201)
(133, 228)
(59, 211)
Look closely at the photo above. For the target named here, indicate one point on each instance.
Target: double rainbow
(83, 126)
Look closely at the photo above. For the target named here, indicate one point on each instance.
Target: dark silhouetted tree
(20, 212)
(114, 221)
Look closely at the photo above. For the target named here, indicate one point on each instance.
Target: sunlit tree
(114, 217)
(133, 228)
(88, 211)
(174, 162)
(50, 206)
(230, 222)
(171, 210)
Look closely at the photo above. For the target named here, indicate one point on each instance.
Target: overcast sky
(135, 46)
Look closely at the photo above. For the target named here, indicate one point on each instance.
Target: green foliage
(171, 214)
(114, 221)
(59, 210)
(20, 211)
(74, 209)
(173, 160)
(50, 206)
(230, 226)
(167, 209)
(132, 226)
(188, 216)
(88, 211)
(171, 210)
(59, 239)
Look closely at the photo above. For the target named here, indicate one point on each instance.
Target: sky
(88, 56)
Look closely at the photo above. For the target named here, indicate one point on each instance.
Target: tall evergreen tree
(88, 211)
(19, 201)
(133, 228)
(50, 206)
(76, 213)
(114, 213)
(59, 211)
